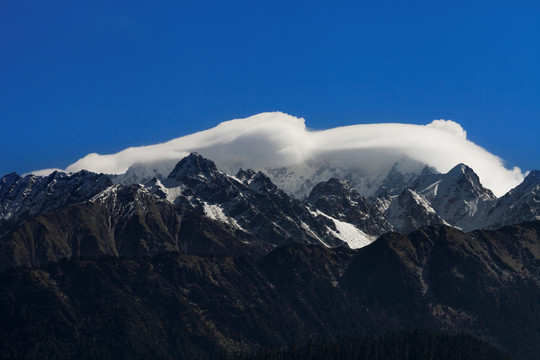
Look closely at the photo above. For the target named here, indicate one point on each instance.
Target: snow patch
(173, 193)
(215, 212)
(311, 233)
(111, 191)
(347, 232)
(420, 200)
(433, 188)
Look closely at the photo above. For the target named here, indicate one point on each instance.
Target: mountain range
(250, 206)
(228, 262)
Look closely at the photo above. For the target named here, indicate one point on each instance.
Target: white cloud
(44, 172)
(450, 126)
(275, 139)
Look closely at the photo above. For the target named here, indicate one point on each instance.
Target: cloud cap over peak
(450, 126)
(275, 139)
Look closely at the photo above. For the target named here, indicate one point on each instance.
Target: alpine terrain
(205, 262)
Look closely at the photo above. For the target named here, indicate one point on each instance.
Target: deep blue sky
(98, 76)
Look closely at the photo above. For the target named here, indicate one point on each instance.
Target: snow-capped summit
(194, 164)
(461, 181)
(335, 210)
(25, 197)
(399, 179)
(250, 202)
(520, 204)
(140, 173)
(195, 179)
(462, 174)
(456, 196)
(262, 185)
(410, 211)
(531, 182)
(298, 180)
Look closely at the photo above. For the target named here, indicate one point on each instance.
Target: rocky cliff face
(249, 202)
(22, 198)
(338, 199)
(519, 205)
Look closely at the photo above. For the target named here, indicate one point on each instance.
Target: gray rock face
(456, 198)
(250, 208)
(249, 202)
(520, 204)
(341, 201)
(22, 198)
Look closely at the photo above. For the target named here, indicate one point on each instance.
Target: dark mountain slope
(123, 221)
(394, 346)
(172, 305)
(483, 283)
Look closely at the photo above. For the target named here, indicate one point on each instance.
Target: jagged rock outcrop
(519, 205)
(410, 211)
(22, 198)
(249, 202)
(338, 199)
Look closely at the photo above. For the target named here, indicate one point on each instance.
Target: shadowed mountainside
(484, 283)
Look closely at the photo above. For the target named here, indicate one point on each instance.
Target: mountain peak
(24, 197)
(9, 178)
(338, 182)
(531, 181)
(194, 164)
(533, 176)
(245, 175)
(461, 173)
(333, 186)
(410, 210)
(429, 170)
(262, 184)
(461, 168)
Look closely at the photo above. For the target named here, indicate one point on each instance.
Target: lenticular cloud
(273, 140)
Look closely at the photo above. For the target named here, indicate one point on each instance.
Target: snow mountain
(519, 205)
(298, 180)
(22, 198)
(199, 208)
(410, 211)
(250, 202)
(337, 198)
(456, 196)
